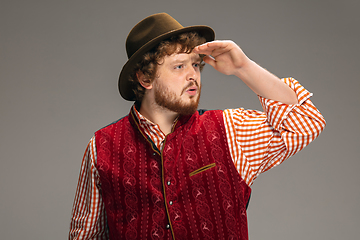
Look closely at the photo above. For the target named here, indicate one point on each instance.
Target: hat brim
(125, 85)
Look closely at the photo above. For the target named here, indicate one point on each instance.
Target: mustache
(193, 83)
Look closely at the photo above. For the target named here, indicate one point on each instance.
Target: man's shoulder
(116, 122)
(202, 115)
(203, 112)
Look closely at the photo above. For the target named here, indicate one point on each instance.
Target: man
(168, 171)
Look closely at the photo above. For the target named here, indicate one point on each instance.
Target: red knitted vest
(190, 190)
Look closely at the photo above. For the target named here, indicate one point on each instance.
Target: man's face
(177, 85)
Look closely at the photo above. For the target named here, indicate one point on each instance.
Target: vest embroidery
(191, 190)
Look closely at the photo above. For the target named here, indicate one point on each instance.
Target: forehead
(181, 57)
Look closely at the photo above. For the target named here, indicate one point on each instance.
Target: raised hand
(228, 58)
(225, 56)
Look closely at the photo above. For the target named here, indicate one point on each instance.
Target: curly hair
(183, 43)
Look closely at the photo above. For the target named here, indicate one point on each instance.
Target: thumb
(209, 60)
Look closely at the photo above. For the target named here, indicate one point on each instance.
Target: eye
(196, 65)
(179, 66)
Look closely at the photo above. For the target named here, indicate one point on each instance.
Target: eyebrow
(195, 58)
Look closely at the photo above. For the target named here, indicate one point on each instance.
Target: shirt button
(168, 226)
(171, 202)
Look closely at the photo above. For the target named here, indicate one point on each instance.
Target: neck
(158, 115)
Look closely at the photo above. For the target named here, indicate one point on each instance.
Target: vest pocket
(204, 168)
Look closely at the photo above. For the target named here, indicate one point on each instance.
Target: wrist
(246, 68)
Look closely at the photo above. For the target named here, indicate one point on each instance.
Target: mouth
(192, 90)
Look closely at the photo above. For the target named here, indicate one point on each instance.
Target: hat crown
(149, 29)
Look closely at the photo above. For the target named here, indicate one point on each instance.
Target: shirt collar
(146, 123)
(140, 118)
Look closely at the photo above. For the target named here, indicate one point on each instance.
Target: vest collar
(141, 120)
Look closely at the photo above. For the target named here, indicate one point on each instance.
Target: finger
(202, 49)
(209, 47)
(213, 50)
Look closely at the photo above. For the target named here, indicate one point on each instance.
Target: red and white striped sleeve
(259, 141)
(88, 214)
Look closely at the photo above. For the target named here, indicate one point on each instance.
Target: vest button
(168, 183)
(168, 226)
(154, 153)
(171, 202)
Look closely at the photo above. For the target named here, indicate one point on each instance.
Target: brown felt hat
(146, 35)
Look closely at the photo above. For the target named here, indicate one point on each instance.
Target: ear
(146, 83)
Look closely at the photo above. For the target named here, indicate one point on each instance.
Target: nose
(191, 74)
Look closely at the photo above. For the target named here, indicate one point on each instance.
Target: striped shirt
(258, 141)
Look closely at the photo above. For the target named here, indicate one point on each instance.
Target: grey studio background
(59, 64)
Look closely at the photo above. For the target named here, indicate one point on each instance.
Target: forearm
(265, 84)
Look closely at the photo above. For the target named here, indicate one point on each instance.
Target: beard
(167, 99)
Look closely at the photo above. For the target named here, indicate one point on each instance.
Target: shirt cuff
(276, 111)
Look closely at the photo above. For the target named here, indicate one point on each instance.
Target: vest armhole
(201, 111)
(247, 204)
